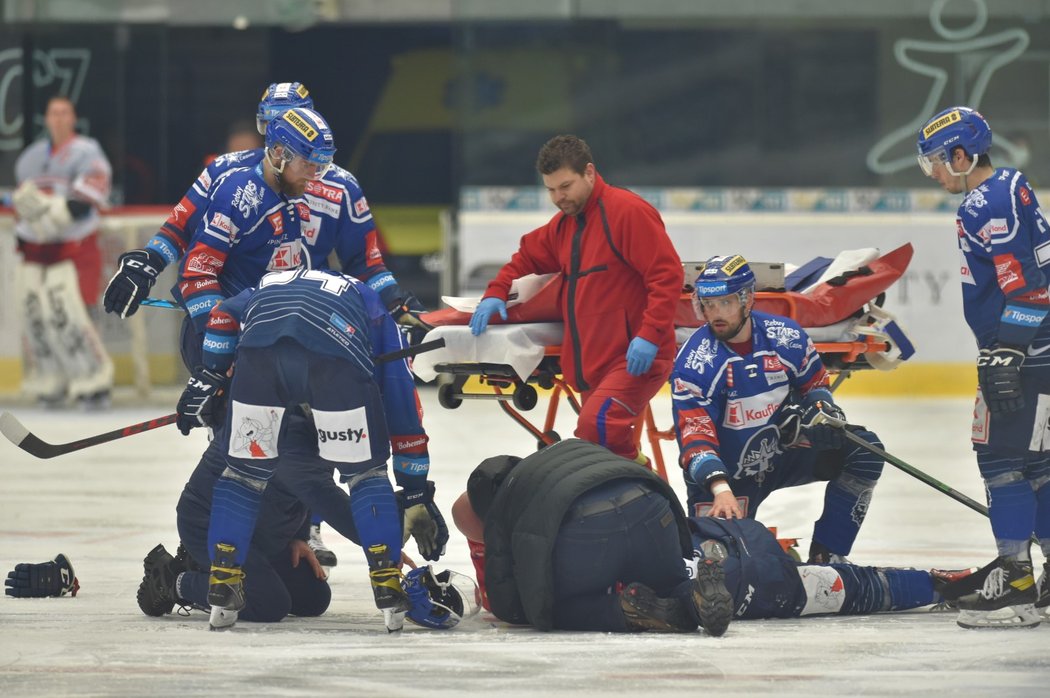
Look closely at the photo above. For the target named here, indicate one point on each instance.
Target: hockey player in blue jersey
(767, 582)
(341, 221)
(748, 394)
(1004, 243)
(305, 341)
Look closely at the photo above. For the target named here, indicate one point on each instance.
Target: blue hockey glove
(52, 578)
(407, 311)
(424, 522)
(999, 375)
(640, 355)
(823, 422)
(480, 319)
(136, 274)
(201, 404)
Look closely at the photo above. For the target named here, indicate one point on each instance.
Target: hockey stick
(29, 442)
(16, 432)
(160, 303)
(933, 482)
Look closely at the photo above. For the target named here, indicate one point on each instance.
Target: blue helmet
(954, 127)
(723, 276)
(441, 600)
(305, 133)
(280, 97)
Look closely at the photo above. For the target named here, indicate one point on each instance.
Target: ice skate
(645, 611)
(1042, 604)
(324, 556)
(1006, 600)
(226, 588)
(390, 597)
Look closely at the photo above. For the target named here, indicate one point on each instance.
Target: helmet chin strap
(963, 175)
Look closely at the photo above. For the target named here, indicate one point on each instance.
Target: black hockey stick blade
(29, 442)
(420, 348)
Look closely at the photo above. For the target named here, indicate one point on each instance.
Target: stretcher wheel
(447, 397)
(554, 437)
(525, 397)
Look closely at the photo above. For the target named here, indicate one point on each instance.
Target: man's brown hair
(564, 151)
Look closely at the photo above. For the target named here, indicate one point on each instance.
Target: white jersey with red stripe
(76, 170)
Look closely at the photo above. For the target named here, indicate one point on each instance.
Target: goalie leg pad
(43, 376)
(78, 346)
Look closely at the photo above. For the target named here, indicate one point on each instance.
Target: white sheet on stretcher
(522, 347)
(519, 346)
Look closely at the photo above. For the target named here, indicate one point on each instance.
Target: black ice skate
(225, 588)
(324, 556)
(713, 602)
(645, 611)
(1006, 600)
(820, 555)
(1043, 603)
(390, 597)
(156, 594)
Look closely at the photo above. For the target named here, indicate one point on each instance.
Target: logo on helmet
(300, 125)
(943, 122)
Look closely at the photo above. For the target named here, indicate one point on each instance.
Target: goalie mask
(953, 128)
(301, 133)
(440, 601)
(278, 98)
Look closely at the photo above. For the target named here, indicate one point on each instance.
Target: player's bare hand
(301, 551)
(726, 506)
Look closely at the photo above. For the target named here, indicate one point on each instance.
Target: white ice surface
(107, 506)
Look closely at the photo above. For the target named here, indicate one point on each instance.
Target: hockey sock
(192, 587)
(867, 590)
(235, 507)
(909, 588)
(846, 501)
(1011, 503)
(376, 514)
(1039, 476)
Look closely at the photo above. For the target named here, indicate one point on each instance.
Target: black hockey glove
(135, 277)
(819, 422)
(999, 375)
(201, 404)
(789, 423)
(407, 313)
(53, 578)
(424, 522)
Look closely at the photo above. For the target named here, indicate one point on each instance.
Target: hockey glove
(407, 314)
(789, 423)
(54, 578)
(999, 375)
(424, 522)
(201, 403)
(47, 215)
(136, 274)
(480, 319)
(822, 423)
(640, 355)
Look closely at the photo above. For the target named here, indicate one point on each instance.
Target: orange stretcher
(861, 338)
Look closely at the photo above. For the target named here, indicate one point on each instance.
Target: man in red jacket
(621, 282)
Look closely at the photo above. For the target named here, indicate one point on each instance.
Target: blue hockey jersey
(341, 221)
(247, 229)
(724, 403)
(331, 314)
(1004, 242)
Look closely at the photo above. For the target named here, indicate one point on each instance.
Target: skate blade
(221, 618)
(1009, 617)
(394, 620)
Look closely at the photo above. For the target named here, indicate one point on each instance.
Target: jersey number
(329, 282)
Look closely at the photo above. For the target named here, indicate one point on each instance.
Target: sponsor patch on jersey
(343, 436)
(204, 260)
(411, 445)
(1024, 317)
(254, 430)
(964, 270)
(995, 227)
(324, 206)
(825, 591)
(222, 222)
(1026, 196)
(754, 411)
(340, 323)
(361, 206)
(300, 125)
(287, 256)
(703, 355)
(303, 209)
(204, 180)
(945, 121)
(277, 222)
(1008, 272)
(310, 230)
(324, 191)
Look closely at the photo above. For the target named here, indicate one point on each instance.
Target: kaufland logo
(740, 416)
